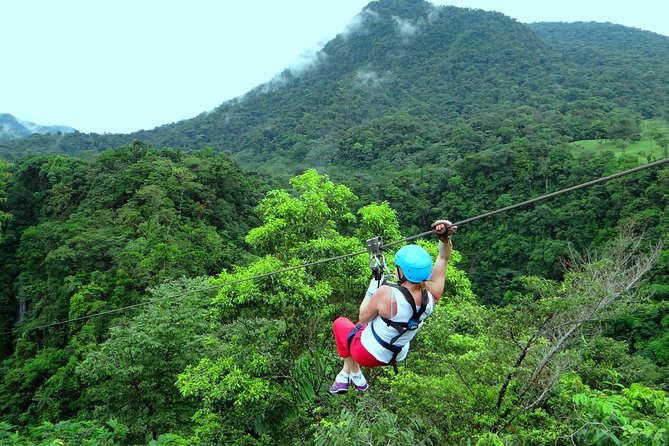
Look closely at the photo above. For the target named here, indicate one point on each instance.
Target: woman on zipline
(390, 318)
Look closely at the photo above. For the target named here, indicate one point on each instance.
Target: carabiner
(377, 261)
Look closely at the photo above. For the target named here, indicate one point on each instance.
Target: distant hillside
(411, 68)
(12, 128)
(626, 66)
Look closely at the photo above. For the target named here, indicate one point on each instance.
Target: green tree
(274, 330)
(89, 237)
(655, 134)
(663, 142)
(4, 216)
(111, 433)
(371, 423)
(131, 376)
(634, 415)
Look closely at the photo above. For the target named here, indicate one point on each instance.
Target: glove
(444, 229)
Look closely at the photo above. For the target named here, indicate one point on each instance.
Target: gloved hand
(444, 229)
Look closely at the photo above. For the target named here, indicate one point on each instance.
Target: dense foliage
(4, 216)
(87, 238)
(246, 357)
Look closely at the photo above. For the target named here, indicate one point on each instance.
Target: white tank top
(387, 333)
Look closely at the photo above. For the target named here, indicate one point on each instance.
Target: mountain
(12, 128)
(412, 67)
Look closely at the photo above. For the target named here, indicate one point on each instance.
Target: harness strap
(396, 349)
(401, 327)
(351, 335)
(409, 298)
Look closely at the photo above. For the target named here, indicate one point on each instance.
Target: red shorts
(342, 328)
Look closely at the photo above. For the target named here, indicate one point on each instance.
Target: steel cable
(353, 254)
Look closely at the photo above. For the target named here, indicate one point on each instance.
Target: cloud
(357, 25)
(435, 14)
(368, 78)
(307, 61)
(406, 28)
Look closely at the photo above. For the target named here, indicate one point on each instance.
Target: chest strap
(414, 320)
(402, 327)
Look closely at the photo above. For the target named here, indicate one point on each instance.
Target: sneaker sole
(338, 392)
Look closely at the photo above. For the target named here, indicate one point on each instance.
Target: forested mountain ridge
(625, 65)
(12, 128)
(439, 65)
(605, 36)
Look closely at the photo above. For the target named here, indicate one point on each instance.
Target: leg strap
(351, 335)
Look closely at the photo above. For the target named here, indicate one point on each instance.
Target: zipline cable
(199, 290)
(353, 254)
(541, 198)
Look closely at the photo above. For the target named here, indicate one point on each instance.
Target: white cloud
(308, 60)
(368, 78)
(406, 28)
(434, 14)
(358, 23)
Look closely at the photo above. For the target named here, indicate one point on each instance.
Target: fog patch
(278, 81)
(405, 27)
(435, 14)
(357, 25)
(308, 60)
(368, 79)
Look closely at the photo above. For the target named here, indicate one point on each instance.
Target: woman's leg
(350, 365)
(350, 372)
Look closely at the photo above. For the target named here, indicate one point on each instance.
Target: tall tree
(130, 377)
(4, 216)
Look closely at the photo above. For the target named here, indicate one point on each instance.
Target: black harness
(402, 327)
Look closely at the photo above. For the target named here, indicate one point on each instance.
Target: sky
(118, 66)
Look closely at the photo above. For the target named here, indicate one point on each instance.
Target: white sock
(358, 378)
(342, 377)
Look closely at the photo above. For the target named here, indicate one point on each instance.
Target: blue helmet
(416, 263)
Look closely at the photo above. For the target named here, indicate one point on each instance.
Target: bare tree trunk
(595, 288)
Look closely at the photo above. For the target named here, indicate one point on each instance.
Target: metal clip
(377, 261)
